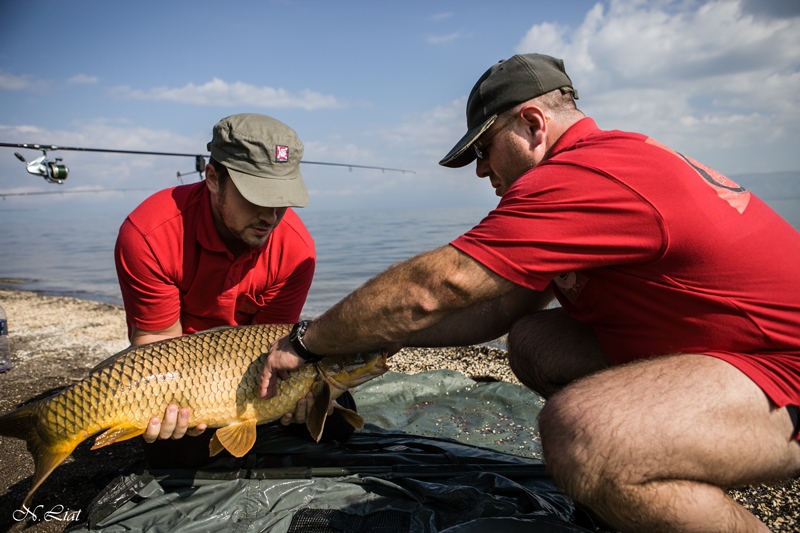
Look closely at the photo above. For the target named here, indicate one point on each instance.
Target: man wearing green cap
(671, 367)
(228, 250)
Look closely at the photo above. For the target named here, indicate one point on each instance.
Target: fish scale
(215, 373)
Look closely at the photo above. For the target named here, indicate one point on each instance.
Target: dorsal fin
(212, 330)
(110, 361)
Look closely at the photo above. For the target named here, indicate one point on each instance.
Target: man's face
(242, 224)
(506, 155)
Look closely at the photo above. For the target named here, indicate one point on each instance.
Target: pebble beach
(55, 341)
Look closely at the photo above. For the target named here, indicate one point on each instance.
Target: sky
(376, 83)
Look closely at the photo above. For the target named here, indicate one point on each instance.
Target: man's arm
(392, 307)
(482, 322)
(407, 298)
(140, 336)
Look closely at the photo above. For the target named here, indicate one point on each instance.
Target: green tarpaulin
(440, 452)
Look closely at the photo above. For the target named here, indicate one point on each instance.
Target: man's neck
(558, 128)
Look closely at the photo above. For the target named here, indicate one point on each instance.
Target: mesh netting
(333, 521)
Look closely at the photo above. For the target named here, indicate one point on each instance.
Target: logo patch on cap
(281, 153)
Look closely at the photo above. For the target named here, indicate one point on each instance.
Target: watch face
(295, 338)
(297, 331)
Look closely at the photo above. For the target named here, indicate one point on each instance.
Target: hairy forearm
(407, 298)
(482, 322)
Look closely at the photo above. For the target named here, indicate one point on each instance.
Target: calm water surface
(75, 256)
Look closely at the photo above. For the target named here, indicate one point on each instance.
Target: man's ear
(536, 120)
(212, 179)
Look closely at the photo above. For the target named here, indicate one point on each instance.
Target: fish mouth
(382, 362)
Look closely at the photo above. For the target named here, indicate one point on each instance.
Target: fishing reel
(51, 170)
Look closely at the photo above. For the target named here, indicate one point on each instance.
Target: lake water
(74, 256)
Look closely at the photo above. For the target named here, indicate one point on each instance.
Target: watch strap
(296, 340)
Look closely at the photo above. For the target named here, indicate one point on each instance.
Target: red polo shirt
(656, 252)
(172, 264)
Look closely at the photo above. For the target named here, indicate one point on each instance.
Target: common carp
(215, 373)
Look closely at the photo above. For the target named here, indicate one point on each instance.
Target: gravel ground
(56, 341)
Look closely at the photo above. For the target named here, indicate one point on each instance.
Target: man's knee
(570, 443)
(523, 337)
(549, 349)
(525, 351)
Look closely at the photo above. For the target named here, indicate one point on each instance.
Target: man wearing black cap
(672, 366)
(228, 250)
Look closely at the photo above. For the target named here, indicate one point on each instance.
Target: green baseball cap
(506, 84)
(262, 156)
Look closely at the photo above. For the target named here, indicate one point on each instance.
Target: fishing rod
(511, 471)
(54, 171)
(3, 195)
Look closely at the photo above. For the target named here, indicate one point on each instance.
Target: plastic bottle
(5, 345)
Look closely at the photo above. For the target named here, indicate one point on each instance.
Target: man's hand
(280, 360)
(174, 425)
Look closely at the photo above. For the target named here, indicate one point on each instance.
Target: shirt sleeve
(151, 298)
(557, 220)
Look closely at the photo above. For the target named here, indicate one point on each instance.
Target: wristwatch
(296, 340)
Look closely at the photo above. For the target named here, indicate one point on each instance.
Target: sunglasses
(481, 146)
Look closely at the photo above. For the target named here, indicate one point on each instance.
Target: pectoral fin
(117, 434)
(315, 422)
(236, 438)
(350, 416)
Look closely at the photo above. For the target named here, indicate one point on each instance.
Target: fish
(216, 373)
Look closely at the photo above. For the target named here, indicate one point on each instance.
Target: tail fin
(17, 423)
(21, 424)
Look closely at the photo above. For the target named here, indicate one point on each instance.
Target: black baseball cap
(506, 84)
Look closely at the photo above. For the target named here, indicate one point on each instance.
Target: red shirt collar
(574, 133)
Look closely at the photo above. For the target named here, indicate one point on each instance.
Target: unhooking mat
(439, 453)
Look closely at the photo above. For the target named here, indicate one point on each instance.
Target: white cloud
(82, 79)
(10, 82)
(429, 135)
(441, 16)
(218, 92)
(709, 76)
(441, 39)
(333, 150)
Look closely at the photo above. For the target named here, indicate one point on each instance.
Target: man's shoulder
(167, 206)
(586, 135)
